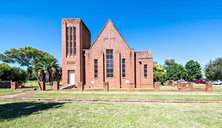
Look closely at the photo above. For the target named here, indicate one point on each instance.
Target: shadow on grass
(19, 109)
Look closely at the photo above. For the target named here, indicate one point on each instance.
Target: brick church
(108, 59)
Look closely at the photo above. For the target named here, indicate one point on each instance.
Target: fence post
(131, 87)
(183, 87)
(173, 84)
(209, 87)
(166, 83)
(14, 85)
(106, 86)
(190, 85)
(80, 86)
(157, 86)
(178, 85)
(55, 85)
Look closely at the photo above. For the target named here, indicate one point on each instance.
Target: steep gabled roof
(109, 21)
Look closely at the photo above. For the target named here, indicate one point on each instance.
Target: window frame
(70, 42)
(67, 41)
(123, 64)
(74, 40)
(109, 61)
(96, 68)
(145, 72)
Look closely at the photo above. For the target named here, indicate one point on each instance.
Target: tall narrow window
(67, 41)
(109, 63)
(123, 68)
(95, 68)
(74, 40)
(71, 50)
(145, 70)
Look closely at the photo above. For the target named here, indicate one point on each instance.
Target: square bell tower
(75, 37)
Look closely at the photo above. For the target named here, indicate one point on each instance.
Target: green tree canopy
(176, 72)
(214, 70)
(47, 69)
(31, 75)
(5, 72)
(19, 75)
(207, 71)
(22, 56)
(168, 63)
(193, 70)
(158, 73)
(12, 73)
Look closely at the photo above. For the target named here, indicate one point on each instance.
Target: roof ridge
(102, 31)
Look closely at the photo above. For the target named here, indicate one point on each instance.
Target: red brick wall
(98, 51)
(75, 63)
(83, 62)
(145, 82)
(120, 51)
(86, 43)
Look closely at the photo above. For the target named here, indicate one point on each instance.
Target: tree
(176, 72)
(207, 71)
(19, 75)
(31, 75)
(14, 74)
(193, 70)
(168, 63)
(22, 56)
(214, 70)
(47, 69)
(158, 73)
(5, 72)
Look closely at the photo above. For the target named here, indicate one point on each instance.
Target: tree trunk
(39, 82)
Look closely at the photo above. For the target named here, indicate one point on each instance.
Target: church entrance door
(71, 77)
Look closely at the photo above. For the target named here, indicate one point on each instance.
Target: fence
(5, 84)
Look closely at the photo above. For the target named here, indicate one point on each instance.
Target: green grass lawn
(34, 84)
(9, 92)
(23, 114)
(168, 88)
(130, 96)
(217, 89)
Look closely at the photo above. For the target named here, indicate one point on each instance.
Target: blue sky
(180, 30)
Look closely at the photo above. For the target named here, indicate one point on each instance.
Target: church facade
(108, 59)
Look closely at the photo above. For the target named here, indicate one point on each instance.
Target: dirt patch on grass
(18, 96)
(95, 100)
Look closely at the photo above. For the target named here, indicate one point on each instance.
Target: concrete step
(67, 86)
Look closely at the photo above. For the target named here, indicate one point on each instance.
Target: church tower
(75, 37)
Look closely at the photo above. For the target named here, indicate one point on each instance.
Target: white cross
(109, 39)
